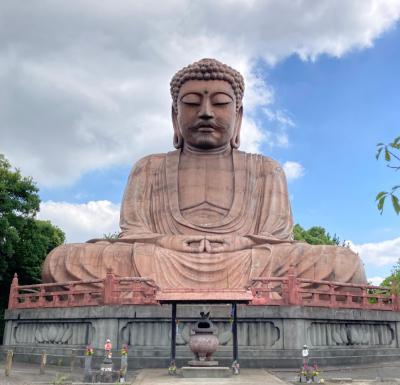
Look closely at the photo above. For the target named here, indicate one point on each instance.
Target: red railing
(109, 291)
(291, 290)
(277, 291)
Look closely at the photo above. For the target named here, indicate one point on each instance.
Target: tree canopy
(24, 240)
(391, 155)
(315, 235)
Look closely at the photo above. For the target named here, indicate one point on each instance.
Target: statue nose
(206, 111)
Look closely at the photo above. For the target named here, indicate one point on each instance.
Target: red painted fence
(278, 291)
(108, 291)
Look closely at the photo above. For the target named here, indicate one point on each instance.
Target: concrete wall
(268, 336)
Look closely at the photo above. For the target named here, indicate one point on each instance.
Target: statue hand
(185, 243)
(224, 243)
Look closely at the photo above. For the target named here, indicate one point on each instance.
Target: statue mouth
(206, 129)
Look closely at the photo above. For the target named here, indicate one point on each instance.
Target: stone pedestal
(270, 336)
(204, 372)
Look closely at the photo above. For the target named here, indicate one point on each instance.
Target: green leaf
(381, 203)
(378, 152)
(396, 140)
(396, 205)
(387, 155)
(380, 195)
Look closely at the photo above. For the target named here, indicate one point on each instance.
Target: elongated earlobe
(235, 141)
(178, 140)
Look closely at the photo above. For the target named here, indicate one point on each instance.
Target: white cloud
(293, 170)
(87, 82)
(379, 253)
(376, 281)
(251, 136)
(82, 222)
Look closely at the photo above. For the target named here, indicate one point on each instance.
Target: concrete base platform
(268, 336)
(206, 372)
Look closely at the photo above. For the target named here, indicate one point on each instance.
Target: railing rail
(291, 290)
(274, 291)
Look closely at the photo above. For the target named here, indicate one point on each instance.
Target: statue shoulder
(149, 162)
(266, 164)
(272, 166)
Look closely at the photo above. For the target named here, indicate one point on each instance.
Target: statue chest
(205, 188)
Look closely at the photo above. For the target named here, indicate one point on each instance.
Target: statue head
(207, 105)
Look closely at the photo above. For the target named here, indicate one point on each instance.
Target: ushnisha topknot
(208, 69)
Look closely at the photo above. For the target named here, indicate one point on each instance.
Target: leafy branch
(390, 153)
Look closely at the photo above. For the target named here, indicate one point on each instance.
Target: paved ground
(23, 374)
(246, 377)
(389, 373)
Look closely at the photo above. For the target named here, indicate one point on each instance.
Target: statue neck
(224, 150)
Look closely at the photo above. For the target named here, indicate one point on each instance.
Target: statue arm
(135, 218)
(276, 222)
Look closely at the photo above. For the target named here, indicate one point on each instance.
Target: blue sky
(342, 108)
(87, 99)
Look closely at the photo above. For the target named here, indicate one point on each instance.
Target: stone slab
(206, 372)
(202, 363)
(189, 311)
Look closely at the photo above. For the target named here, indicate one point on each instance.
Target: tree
(391, 153)
(394, 276)
(111, 236)
(24, 240)
(315, 235)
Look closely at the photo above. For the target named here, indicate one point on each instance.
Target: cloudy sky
(84, 94)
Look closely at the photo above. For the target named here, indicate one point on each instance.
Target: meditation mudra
(205, 215)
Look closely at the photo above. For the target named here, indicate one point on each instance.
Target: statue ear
(178, 140)
(235, 141)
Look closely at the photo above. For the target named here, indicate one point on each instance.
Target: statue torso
(205, 187)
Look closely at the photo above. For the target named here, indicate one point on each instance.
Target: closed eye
(191, 99)
(221, 99)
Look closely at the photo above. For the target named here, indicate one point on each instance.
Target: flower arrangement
(172, 368)
(89, 351)
(315, 374)
(310, 374)
(124, 351)
(305, 373)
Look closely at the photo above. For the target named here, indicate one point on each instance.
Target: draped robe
(150, 209)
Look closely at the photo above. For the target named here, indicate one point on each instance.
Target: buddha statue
(205, 215)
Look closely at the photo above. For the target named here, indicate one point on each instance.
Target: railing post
(364, 298)
(12, 299)
(109, 284)
(41, 299)
(332, 296)
(293, 289)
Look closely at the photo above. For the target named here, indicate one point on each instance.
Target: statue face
(207, 117)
